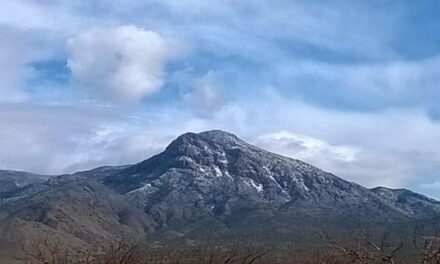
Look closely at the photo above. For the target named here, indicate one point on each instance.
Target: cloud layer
(366, 87)
(350, 87)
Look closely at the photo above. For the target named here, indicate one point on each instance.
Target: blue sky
(350, 86)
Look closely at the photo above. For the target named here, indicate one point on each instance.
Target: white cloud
(382, 85)
(306, 148)
(364, 166)
(206, 91)
(19, 49)
(120, 64)
(62, 139)
(205, 95)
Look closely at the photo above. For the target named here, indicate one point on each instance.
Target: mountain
(215, 173)
(409, 203)
(206, 186)
(12, 180)
(77, 213)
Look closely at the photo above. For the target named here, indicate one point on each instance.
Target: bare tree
(364, 250)
(45, 251)
(359, 249)
(428, 248)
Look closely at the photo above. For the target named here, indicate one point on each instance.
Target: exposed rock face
(210, 181)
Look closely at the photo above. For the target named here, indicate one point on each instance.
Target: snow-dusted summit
(214, 174)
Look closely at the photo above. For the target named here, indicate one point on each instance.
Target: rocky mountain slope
(76, 213)
(215, 173)
(207, 184)
(412, 204)
(12, 180)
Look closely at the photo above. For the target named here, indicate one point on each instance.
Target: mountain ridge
(203, 182)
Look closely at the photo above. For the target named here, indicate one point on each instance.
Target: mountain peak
(216, 133)
(204, 140)
(219, 136)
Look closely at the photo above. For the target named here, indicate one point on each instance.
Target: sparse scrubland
(360, 248)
